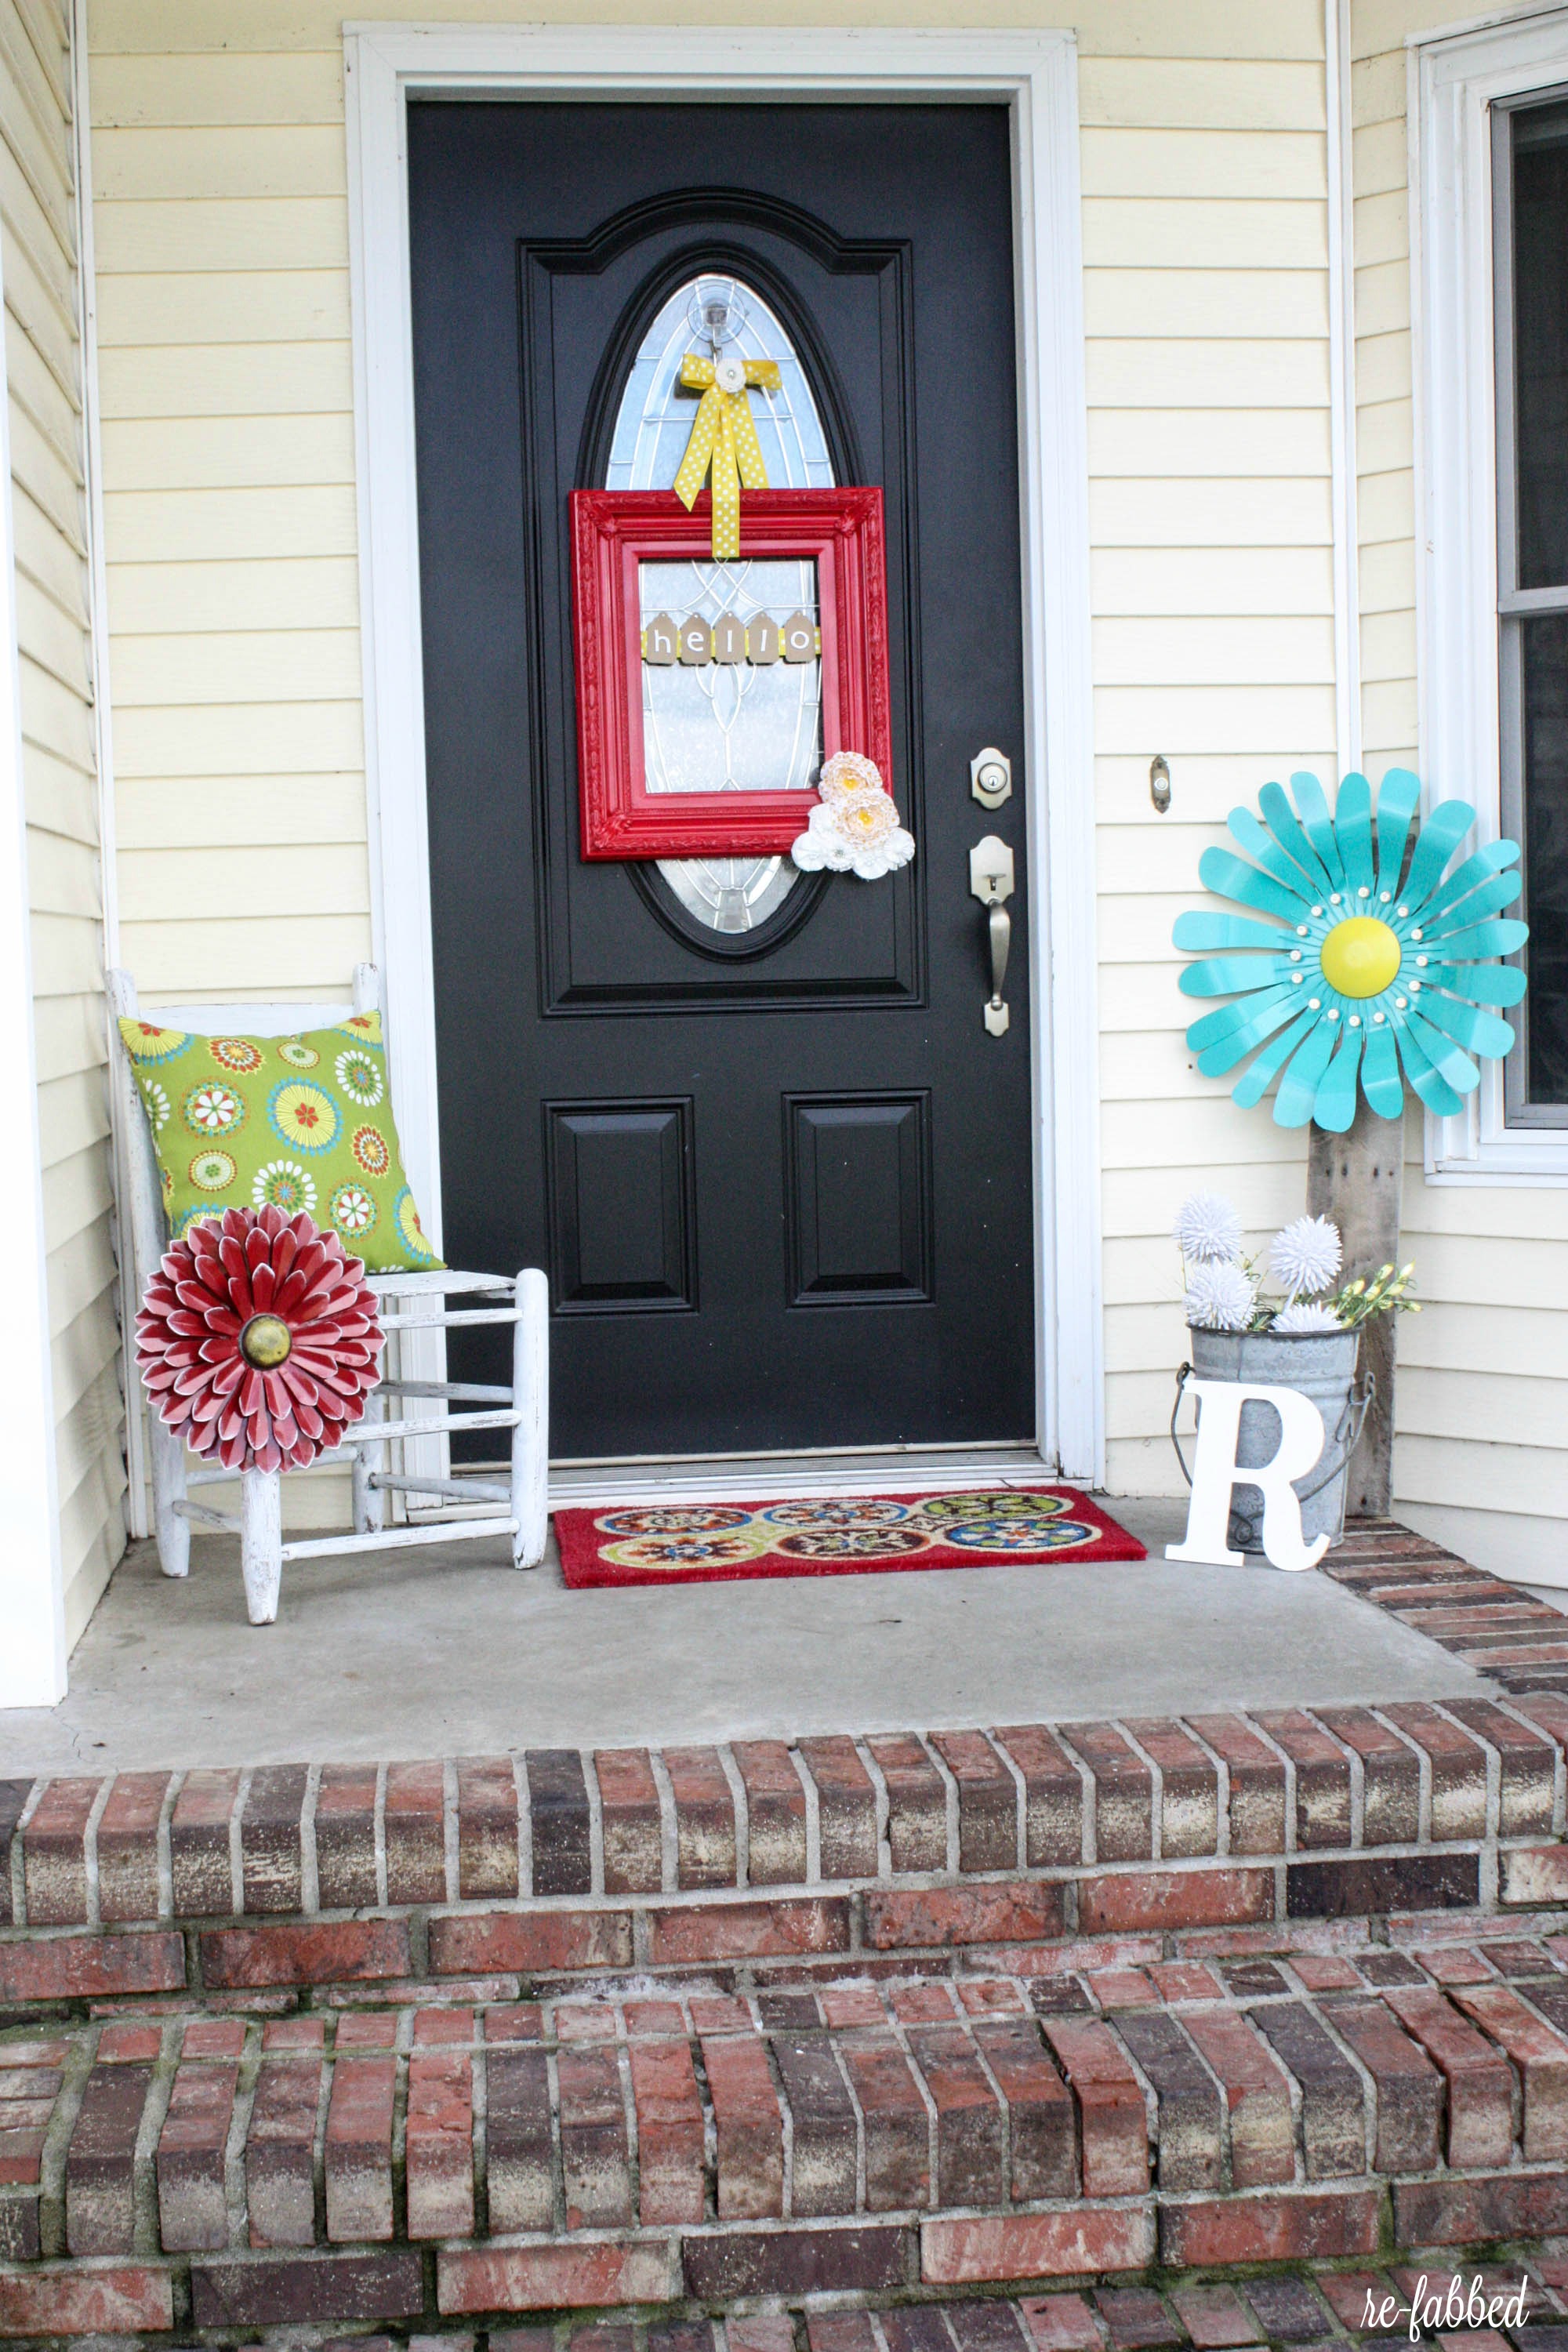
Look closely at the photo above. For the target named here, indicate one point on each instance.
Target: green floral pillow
(303, 1122)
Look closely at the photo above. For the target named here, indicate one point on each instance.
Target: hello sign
(697, 642)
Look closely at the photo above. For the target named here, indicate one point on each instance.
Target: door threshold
(789, 1453)
(763, 1477)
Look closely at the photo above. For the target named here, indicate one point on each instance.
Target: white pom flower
(1307, 1256)
(1306, 1315)
(1208, 1229)
(1219, 1298)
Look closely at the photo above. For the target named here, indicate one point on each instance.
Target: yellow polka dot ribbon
(723, 436)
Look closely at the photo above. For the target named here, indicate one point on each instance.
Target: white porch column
(32, 1614)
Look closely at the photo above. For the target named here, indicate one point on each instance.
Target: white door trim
(1035, 75)
(1337, 54)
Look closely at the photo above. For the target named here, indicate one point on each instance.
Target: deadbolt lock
(991, 777)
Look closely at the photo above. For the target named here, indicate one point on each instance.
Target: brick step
(655, 2145)
(1521, 2303)
(902, 1845)
(1492, 1625)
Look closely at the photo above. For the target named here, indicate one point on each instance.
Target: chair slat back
(251, 1020)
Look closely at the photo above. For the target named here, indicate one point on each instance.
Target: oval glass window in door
(736, 723)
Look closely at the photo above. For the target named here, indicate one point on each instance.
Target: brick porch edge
(555, 1862)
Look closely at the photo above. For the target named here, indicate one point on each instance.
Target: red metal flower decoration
(259, 1340)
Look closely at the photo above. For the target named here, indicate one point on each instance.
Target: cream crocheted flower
(854, 828)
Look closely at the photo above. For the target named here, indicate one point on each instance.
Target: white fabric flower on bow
(854, 828)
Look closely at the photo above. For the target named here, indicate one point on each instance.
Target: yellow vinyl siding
(221, 223)
(37, 230)
(1482, 1455)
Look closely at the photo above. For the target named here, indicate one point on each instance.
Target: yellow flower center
(1361, 957)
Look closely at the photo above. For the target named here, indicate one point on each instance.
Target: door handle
(1000, 924)
(991, 881)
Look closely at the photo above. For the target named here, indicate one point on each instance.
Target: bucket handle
(1358, 1405)
(1183, 1375)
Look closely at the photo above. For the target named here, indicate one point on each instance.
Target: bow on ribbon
(723, 435)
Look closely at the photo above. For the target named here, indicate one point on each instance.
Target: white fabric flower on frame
(1306, 1255)
(854, 828)
(1208, 1229)
(1220, 1297)
(1306, 1315)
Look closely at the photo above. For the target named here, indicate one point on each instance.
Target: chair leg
(531, 1399)
(260, 1541)
(172, 1530)
(370, 1502)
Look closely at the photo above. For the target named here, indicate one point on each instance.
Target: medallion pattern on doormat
(701, 1543)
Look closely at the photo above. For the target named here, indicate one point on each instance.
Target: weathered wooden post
(1355, 1179)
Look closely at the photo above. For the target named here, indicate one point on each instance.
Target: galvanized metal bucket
(1323, 1365)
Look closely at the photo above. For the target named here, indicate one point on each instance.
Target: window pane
(1541, 340)
(735, 723)
(729, 894)
(1546, 852)
(653, 423)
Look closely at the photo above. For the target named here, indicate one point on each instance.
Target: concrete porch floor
(449, 1651)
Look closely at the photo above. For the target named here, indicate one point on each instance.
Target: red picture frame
(613, 531)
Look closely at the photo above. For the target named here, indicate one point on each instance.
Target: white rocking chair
(418, 1305)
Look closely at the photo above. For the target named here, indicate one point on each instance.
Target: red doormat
(853, 1535)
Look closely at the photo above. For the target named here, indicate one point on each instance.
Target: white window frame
(1456, 78)
(1034, 75)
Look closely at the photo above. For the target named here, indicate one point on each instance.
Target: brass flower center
(265, 1341)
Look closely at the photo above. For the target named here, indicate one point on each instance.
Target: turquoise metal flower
(1373, 959)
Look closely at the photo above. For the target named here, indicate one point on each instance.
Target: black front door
(756, 1126)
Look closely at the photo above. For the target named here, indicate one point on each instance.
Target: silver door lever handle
(1001, 927)
(991, 881)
